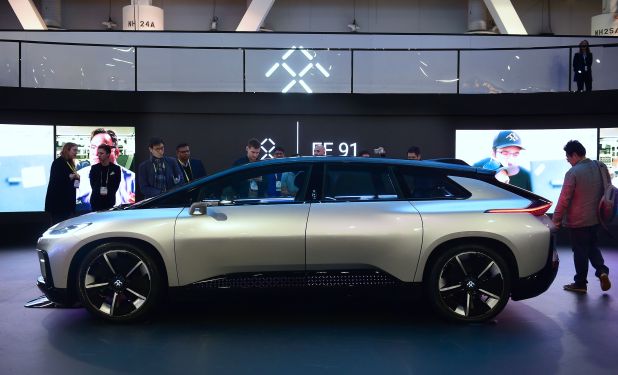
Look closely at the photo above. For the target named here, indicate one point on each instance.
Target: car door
(257, 226)
(362, 222)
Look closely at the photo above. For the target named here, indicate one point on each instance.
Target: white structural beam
(28, 15)
(255, 15)
(505, 17)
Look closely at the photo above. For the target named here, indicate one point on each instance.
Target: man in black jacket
(192, 168)
(105, 179)
(159, 173)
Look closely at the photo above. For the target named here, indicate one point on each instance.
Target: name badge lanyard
(71, 167)
(106, 177)
(154, 165)
(76, 180)
(185, 171)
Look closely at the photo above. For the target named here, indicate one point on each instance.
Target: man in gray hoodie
(577, 210)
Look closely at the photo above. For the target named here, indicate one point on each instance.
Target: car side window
(425, 184)
(267, 185)
(360, 182)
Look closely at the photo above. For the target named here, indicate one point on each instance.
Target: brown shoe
(575, 288)
(605, 283)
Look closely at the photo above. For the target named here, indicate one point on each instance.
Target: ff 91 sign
(337, 149)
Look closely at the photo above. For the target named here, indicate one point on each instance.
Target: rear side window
(422, 184)
(349, 182)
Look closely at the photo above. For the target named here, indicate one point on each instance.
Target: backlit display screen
(25, 160)
(531, 159)
(88, 138)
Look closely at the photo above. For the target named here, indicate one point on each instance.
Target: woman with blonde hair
(63, 180)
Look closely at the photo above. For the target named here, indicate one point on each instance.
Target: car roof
(444, 165)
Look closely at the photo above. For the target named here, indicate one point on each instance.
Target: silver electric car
(471, 242)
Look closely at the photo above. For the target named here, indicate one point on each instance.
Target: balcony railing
(36, 64)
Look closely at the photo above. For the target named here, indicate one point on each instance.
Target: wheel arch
(83, 251)
(492, 243)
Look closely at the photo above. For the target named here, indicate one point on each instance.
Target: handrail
(351, 51)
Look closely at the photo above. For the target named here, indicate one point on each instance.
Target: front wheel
(470, 283)
(119, 282)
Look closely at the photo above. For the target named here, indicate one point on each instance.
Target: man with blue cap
(505, 160)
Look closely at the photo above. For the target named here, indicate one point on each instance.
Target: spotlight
(353, 26)
(109, 23)
(214, 23)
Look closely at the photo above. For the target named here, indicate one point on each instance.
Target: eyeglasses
(507, 154)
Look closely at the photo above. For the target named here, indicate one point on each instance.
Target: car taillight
(537, 208)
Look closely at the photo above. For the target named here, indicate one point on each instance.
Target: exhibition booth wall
(349, 92)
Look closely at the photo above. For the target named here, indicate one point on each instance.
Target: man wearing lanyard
(105, 179)
(192, 168)
(159, 173)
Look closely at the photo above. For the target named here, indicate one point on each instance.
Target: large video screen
(25, 159)
(531, 159)
(608, 151)
(88, 138)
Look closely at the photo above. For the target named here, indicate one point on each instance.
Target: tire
(119, 282)
(469, 283)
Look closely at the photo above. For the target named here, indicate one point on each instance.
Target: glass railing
(298, 70)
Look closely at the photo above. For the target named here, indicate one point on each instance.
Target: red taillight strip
(536, 210)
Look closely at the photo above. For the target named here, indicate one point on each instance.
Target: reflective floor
(305, 333)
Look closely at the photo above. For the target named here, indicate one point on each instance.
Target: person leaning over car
(252, 153)
(105, 179)
(159, 173)
(254, 187)
(577, 209)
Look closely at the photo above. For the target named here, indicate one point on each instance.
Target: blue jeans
(584, 243)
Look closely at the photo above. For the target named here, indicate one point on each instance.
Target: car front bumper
(45, 283)
(56, 295)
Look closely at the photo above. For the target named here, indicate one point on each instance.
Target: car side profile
(471, 242)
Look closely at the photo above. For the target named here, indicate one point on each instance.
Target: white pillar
(255, 15)
(606, 24)
(28, 15)
(505, 16)
(141, 15)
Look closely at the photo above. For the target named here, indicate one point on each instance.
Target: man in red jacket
(577, 210)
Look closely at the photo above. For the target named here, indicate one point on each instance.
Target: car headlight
(68, 228)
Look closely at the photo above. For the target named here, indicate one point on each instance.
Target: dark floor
(555, 333)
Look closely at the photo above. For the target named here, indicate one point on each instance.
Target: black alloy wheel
(119, 282)
(469, 284)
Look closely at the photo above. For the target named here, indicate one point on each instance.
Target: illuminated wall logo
(298, 77)
(267, 145)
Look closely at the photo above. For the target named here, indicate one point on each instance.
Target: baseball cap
(507, 138)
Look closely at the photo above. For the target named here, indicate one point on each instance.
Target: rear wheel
(469, 283)
(119, 282)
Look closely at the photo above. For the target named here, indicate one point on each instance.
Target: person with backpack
(577, 209)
